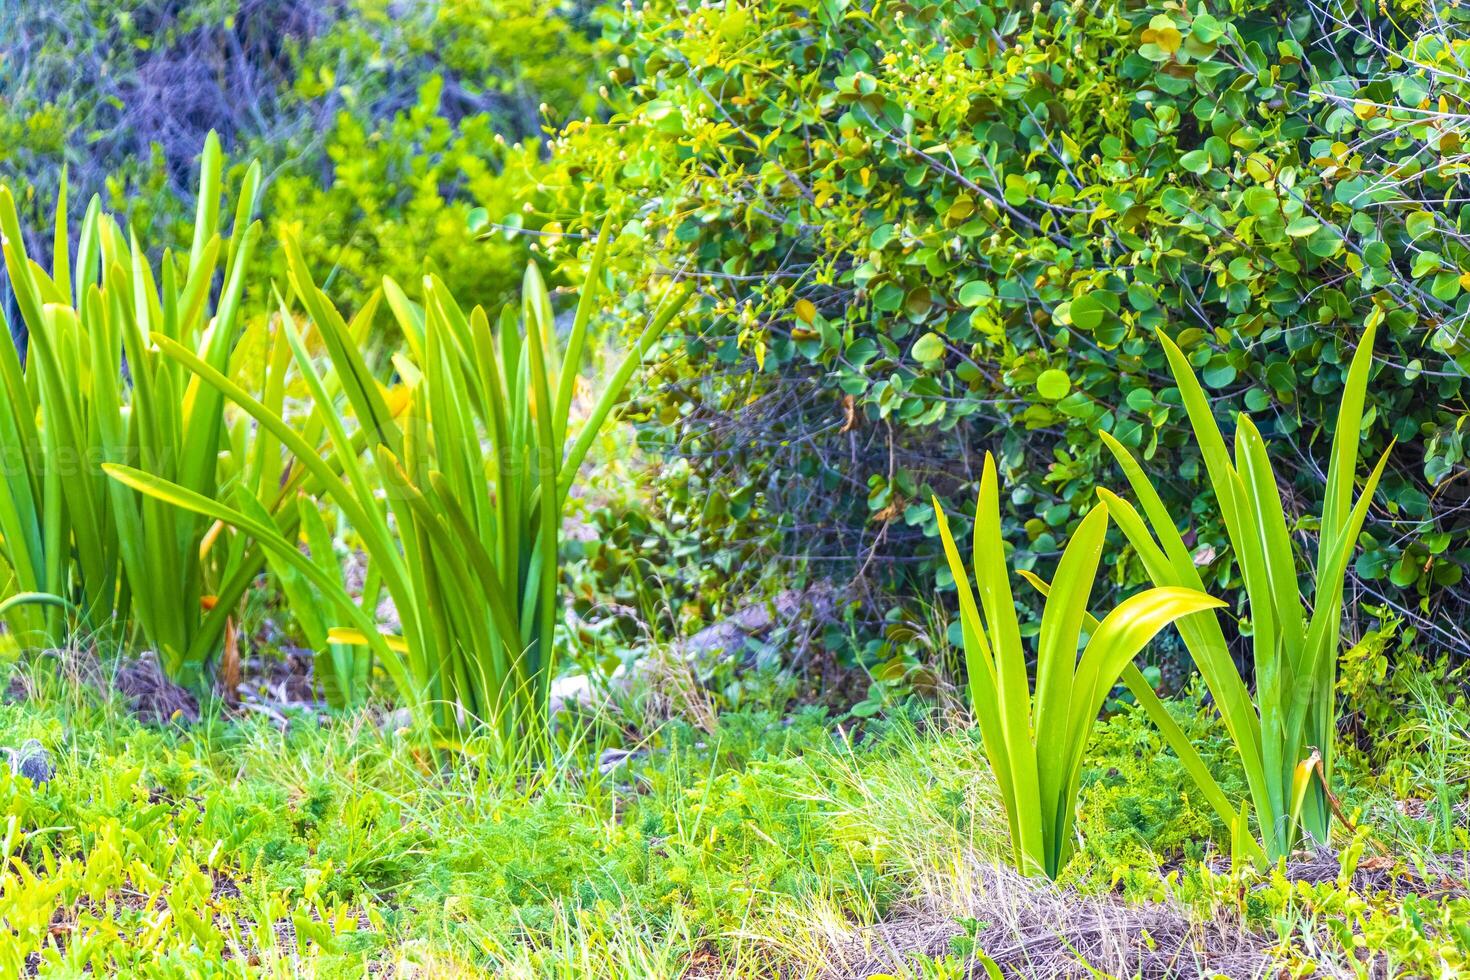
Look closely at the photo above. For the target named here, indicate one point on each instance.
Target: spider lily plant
(1148, 699)
(342, 670)
(1035, 740)
(1285, 738)
(90, 389)
(454, 482)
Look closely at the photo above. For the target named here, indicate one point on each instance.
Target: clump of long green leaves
(342, 670)
(91, 389)
(456, 492)
(1285, 739)
(1035, 743)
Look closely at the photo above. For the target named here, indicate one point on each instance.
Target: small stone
(612, 759)
(396, 721)
(32, 761)
(574, 691)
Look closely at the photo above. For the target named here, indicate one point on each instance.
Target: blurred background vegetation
(380, 125)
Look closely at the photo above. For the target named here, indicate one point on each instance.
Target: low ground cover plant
(770, 843)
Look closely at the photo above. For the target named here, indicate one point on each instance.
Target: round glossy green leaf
(1303, 226)
(1196, 162)
(1087, 312)
(1053, 384)
(1206, 29)
(918, 301)
(929, 347)
(1219, 373)
(1419, 223)
(974, 293)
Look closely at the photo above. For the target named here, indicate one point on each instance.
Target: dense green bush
(430, 109)
(926, 230)
(380, 126)
(123, 95)
(399, 199)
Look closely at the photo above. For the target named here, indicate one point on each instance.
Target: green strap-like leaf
(587, 301)
(1343, 466)
(673, 303)
(270, 537)
(1123, 632)
(980, 669)
(1154, 707)
(206, 213)
(352, 371)
(1056, 663)
(1013, 702)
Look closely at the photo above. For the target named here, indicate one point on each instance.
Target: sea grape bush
(936, 228)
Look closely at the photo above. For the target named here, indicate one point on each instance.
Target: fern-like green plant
(1035, 741)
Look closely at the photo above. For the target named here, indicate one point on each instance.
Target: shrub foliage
(929, 230)
(379, 125)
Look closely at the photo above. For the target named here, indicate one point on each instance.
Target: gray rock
(611, 759)
(770, 623)
(571, 691)
(32, 761)
(396, 721)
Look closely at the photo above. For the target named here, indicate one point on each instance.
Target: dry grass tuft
(1032, 929)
